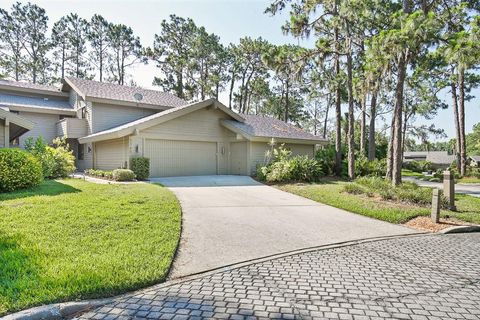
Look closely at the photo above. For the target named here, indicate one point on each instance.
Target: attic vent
(138, 96)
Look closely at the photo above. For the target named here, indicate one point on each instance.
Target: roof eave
(32, 90)
(18, 120)
(253, 138)
(126, 103)
(46, 110)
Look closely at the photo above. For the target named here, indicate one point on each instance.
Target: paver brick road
(420, 277)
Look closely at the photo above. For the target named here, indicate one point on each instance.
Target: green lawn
(331, 193)
(468, 180)
(71, 239)
(410, 173)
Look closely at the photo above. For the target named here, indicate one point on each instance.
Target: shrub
(99, 173)
(419, 166)
(408, 192)
(57, 161)
(123, 175)
(64, 160)
(283, 167)
(39, 149)
(365, 167)
(18, 170)
(141, 167)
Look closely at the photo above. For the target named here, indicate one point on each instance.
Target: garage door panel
(181, 158)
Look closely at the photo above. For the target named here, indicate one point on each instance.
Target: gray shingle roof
(265, 126)
(436, 157)
(476, 158)
(110, 91)
(34, 102)
(26, 85)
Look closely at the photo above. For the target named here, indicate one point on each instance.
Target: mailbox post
(449, 188)
(435, 205)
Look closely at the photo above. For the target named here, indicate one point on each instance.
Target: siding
(201, 125)
(258, 150)
(108, 116)
(111, 154)
(238, 158)
(87, 162)
(2, 133)
(72, 128)
(45, 126)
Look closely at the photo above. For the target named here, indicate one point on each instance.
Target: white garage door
(181, 158)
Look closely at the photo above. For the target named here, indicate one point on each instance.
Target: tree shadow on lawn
(18, 271)
(46, 188)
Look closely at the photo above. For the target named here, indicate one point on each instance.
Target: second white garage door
(181, 158)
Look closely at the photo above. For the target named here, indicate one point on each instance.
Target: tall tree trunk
(453, 88)
(63, 61)
(230, 95)
(351, 121)
(461, 120)
(287, 88)
(101, 65)
(371, 127)
(363, 126)
(326, 117)
(397, 155)
(338, 105)
(390, 151)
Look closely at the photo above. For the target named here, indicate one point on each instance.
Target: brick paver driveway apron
(230, 219)
(415, 277)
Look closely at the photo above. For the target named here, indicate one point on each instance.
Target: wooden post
(449, 189)
(435, 205)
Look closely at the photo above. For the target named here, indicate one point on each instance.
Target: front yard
(71, 239)
(331, 192)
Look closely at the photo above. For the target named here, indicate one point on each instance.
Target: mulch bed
(426, 224)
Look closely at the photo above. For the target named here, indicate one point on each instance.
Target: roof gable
(158, 118)
(114, 93)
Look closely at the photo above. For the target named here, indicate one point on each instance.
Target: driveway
(470, 189)
(230, 219)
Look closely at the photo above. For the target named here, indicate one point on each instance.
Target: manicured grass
(331, 193)
(410, 173)
(72, 239)
(468, 180)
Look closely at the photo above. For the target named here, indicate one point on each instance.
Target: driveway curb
(68, 310)
(57, 310)
(461, 229)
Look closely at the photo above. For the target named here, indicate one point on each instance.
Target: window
(80, 151)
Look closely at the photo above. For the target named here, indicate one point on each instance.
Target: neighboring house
(474, 161)
(107, 124)
(439, 159)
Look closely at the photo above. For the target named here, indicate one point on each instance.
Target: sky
(229, 19)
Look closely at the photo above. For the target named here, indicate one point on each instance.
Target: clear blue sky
(230, 19)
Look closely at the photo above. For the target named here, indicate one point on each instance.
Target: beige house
(107, 124)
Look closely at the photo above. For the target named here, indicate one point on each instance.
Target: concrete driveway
(230, 219)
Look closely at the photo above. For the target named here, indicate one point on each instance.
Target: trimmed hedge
(123, 175)
(18, 170)
(141, 167)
